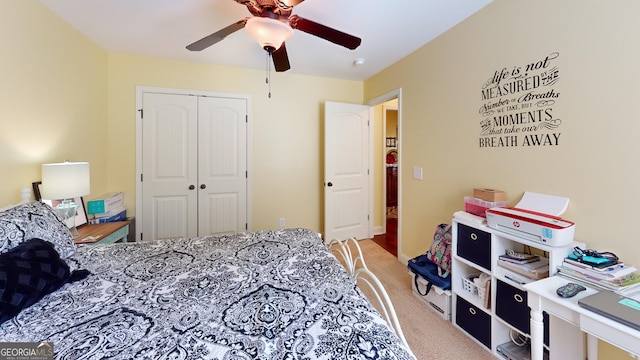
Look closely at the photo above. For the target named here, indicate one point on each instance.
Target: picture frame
(392, 142)
(81, 217)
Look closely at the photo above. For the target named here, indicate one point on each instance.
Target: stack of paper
(525, 270)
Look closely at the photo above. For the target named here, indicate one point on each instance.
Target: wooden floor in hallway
(389, 240)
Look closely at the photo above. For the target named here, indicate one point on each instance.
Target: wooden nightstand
(107, 233)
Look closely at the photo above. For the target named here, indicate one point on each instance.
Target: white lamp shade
(65, 180)
(268, 32)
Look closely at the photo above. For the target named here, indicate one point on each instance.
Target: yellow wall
(66, 98)
(62, 93)
(53, 96)
(596, 163)
(392, 124)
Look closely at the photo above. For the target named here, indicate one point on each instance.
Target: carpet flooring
(430, 337)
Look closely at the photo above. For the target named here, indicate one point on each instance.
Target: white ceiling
(390, 30)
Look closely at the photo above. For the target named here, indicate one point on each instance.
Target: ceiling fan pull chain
(268, 78)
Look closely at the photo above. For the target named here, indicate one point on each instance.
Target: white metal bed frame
(350, 252)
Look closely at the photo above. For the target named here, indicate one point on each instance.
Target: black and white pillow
(35, 220)
(28, 272)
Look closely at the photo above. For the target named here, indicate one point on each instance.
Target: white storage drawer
(437, 299)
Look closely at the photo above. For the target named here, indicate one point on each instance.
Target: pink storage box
(478, 207)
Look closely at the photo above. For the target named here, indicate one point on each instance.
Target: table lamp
(64, 182)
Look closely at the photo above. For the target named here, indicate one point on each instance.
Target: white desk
(542, 297)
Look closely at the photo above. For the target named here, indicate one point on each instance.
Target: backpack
(440, 251)
(435, 265)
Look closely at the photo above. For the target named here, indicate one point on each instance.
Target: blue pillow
(28, 272)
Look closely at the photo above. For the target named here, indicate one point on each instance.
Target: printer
(532, 225)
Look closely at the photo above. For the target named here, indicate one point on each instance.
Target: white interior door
(222, 165)
(169, 166)
(194, 162)
(347, 163)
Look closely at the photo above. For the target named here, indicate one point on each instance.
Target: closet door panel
(222, 165)
(169, 166)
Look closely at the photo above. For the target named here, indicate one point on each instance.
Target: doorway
(387, 144)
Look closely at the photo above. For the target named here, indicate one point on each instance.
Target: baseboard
(403, 259)
(378, 230)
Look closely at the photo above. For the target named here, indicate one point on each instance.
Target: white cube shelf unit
(490, 316)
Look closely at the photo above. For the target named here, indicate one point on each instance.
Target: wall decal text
(517, 106)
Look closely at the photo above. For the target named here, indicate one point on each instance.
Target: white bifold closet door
(194, 171)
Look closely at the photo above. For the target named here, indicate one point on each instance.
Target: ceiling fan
(274, 17)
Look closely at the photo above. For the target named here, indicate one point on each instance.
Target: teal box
(95, 206)
(105, 203)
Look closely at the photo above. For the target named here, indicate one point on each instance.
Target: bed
(277, 294)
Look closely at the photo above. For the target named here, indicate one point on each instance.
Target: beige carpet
(429, 336)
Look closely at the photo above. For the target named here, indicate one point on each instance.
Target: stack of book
(107, 208)
(523, 268)
(616, 277)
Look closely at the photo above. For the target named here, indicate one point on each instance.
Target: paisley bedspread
(262, 295)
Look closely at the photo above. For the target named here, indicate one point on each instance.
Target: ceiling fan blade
(281, 59)
(216, 36)
(325, 32)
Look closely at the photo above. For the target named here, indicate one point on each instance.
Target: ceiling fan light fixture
(268, 32)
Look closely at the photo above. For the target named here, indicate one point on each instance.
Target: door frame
(140, 90)
(379, 100)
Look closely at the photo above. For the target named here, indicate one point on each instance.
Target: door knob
(191, 187)
(203, 186)
(329, 184)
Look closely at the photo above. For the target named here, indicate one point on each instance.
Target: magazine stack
(611, 275)
(522, 268)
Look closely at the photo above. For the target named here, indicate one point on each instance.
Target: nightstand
(107, 233)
